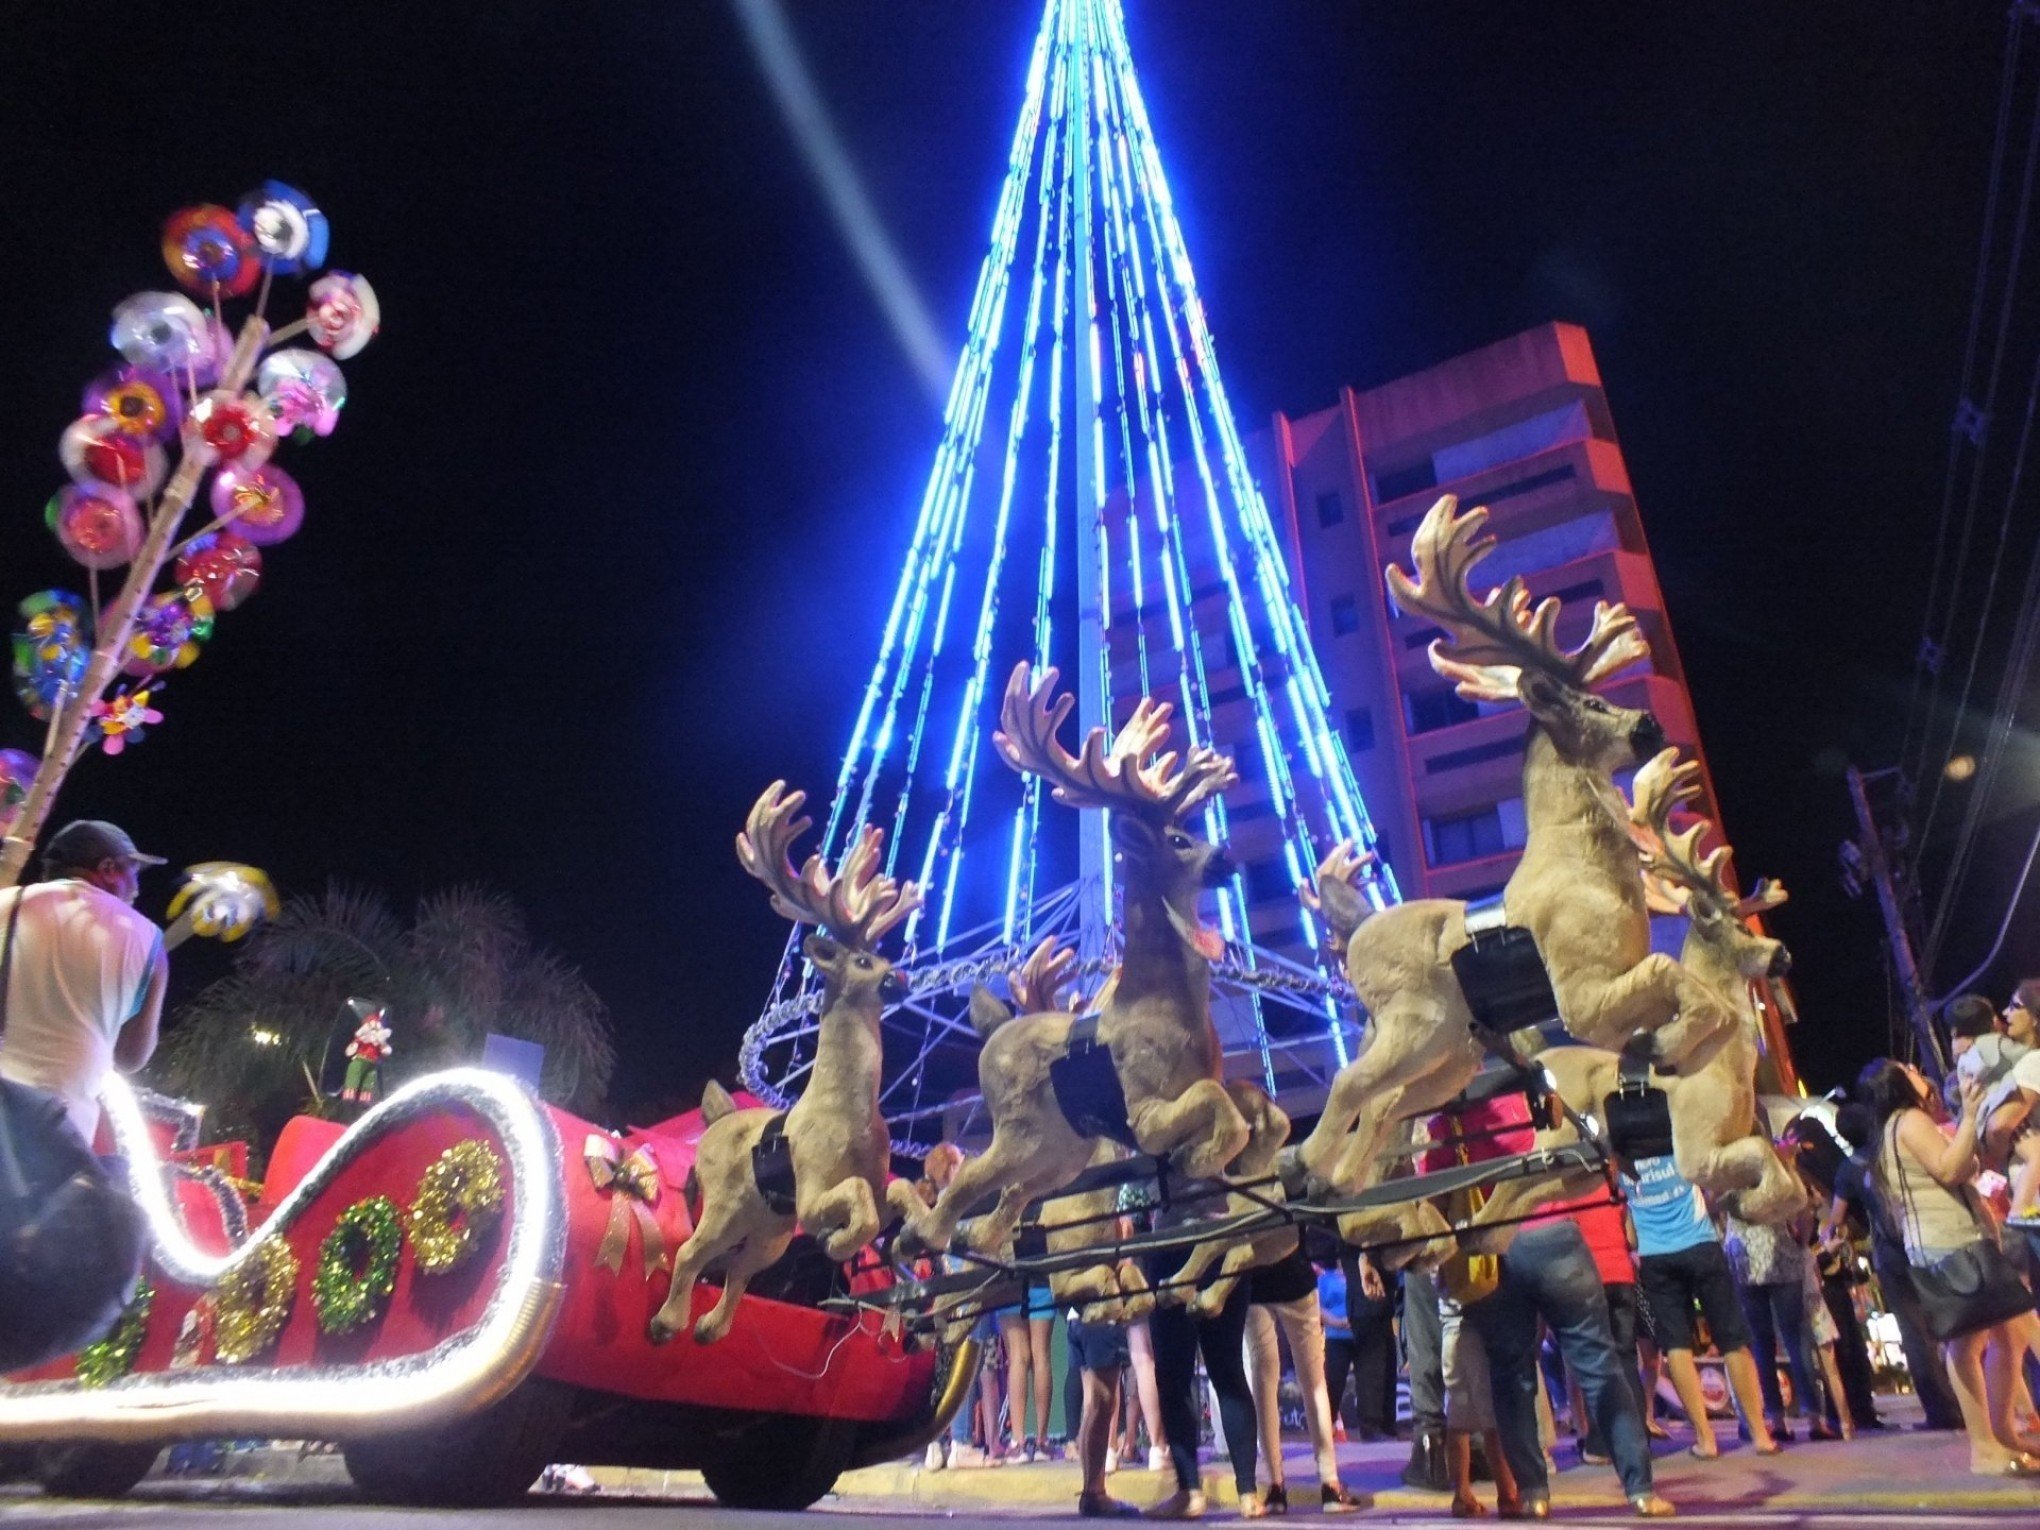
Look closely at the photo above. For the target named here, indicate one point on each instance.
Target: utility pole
(1876, 866)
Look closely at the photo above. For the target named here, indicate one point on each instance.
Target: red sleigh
(506, 1329)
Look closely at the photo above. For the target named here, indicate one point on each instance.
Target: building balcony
(1474, 763)
(1522, 496)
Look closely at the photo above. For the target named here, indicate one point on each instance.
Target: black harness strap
(772, 1166)
(1087, 1088)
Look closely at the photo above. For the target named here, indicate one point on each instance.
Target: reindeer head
(1334, 894)
(1502, 648)
(1679, 880)
(854, 907)
(1150, 794)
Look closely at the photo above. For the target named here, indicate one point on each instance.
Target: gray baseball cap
(87, 842)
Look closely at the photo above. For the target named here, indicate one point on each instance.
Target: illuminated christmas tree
(1091, 507)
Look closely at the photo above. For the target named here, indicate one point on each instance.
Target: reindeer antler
(1105, 776)
(1038, 982)
(1333, 894)
(857, 905)
(1674, 870)
(1492, 641)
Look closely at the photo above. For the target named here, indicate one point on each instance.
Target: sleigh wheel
(88, 1469)
(476, 1461)
(778, 1461)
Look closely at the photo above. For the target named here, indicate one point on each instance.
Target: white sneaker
(1111, 1460)
(937, 1456)
(966, 1455)
(1158, 1458)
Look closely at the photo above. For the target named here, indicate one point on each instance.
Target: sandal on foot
(1469, 1508)
(1704, 1455)
(1276, 1499)
(1333, 1498)
(1650, 1506)
(1523, 1508)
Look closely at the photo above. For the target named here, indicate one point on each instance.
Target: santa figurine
(365, 1054)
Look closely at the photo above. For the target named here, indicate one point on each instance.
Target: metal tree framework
(1115, 516)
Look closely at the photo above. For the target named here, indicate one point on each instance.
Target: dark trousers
(1548, 1273)
(1179, 1337)
(1368, 1352)
(1777, 1318)
(1852, 1352)
(1922, 1354)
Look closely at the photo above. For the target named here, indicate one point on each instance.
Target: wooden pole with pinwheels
(219, 400)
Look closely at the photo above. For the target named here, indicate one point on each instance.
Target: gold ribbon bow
(632, 1185)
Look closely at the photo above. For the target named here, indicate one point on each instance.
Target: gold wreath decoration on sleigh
(252, 1302)
(457, 1200)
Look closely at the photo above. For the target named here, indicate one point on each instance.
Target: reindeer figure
(836, 1137)
(1156, 1012)
(1268, 1126)
(1713, 1098)
(1576, 888)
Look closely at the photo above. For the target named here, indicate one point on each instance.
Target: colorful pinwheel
(122, 718)
(344, 313)
(206, 249)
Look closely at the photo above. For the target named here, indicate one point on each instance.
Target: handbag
(1973, 1288)
(70, 1238)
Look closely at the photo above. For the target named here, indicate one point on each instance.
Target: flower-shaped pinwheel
(303, 389)
(224, 899)
(160, 330)
(99, 455)
(344, 313)
(143, 403)
(289, 231)
(206, 248)
(264, 504)
(232, 428)
(120, 719)
(168, 631)
(226, 566)
(101, 528)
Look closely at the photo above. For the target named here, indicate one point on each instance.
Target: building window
(1359, 729)
(1329, 511)
(1345, 615)
(1398, 482)
(1431, 710)
(1464, 836)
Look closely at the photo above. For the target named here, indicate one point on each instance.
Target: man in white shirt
(86, 973)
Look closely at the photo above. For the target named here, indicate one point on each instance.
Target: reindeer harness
(1087, 1088)
(772, 1166)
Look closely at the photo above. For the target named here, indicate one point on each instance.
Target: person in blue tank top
(1680, 1265)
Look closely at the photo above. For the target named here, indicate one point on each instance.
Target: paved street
(1892, 1479)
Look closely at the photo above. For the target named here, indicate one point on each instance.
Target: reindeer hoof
(659, 1331)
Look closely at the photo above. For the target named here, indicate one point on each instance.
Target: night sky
(604, 540)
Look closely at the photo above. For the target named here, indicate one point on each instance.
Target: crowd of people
(1918, 1208)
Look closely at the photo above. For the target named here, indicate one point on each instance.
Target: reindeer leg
(1404, 1048)
(1136, 1298)
(843, 1218)
(1200, 1131)
(753, 1255)
(1413, 1236)
(1648, 997)
(720, 1229)
(933, 1230)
